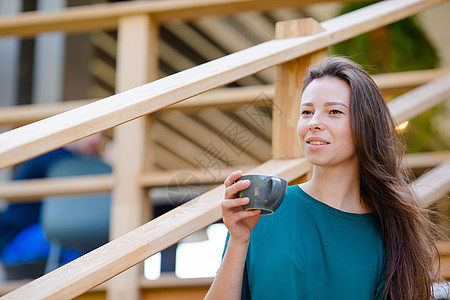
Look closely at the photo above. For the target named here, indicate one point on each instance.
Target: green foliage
(401, 46)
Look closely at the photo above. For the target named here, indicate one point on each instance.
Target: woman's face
(324, 128)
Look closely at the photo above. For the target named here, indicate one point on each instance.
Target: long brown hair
(407, 236)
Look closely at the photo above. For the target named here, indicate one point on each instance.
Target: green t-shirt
(309, 250)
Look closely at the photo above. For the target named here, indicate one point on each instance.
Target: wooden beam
(421, 99)
(232, 40)
(223, 98)
(24, 114)
(35, 189)
(170, 139)
(137, 64)
(106, 16)
(169, 160)
(90, 270)
(196, 176)
(240, 136)
(426, 159)
(220, 149)
(288, 88)
(399, 82)
(433, 185)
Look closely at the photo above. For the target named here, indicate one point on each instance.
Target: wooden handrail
(398, 82)
(36, 189)
(23, 114)
(106, 16)
(426, 159)
(221, 98)
(433, 185)
(420, 99)
(118, 255)
(28, 141)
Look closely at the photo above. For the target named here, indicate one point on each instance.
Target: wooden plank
(443, 247)
(416, 101)
(426, 159)
(173, 58)
(137, 64)
(226, 98)
(218, 147)
(196, 176)
(259, 25)
(168, 160)
(103, 71)
(109, 260)
(239, 133)
(258, 121)
(106, 16)
(288, 88)
(35, 189)
(24, 114)
(195, 40)
(398, 82)
(232, 40)
(433, 185)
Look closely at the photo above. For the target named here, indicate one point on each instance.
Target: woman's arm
(228, 282)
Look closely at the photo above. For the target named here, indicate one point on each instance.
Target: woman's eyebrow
(326, 104)
(335, 103)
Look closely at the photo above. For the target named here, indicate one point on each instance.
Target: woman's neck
(336, 187)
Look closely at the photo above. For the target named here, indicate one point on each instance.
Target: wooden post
(288, 87)
(137, 64)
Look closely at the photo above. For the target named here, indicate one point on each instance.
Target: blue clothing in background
(19, 216)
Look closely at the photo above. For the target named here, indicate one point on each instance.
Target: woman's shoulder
(293, 198)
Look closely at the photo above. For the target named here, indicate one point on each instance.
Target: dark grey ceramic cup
(266, 192)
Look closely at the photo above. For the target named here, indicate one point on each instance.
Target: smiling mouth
(317, 143)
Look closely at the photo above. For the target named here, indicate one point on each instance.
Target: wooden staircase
(139, 100)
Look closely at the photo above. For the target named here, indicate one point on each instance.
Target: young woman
(354, 230)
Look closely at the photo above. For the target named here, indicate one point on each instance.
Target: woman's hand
(238, 221)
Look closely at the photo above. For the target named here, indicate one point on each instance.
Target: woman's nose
(316, 123)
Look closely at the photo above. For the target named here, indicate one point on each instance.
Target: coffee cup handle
(277, 190)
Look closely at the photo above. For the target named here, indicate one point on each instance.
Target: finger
(234, 202)
(232, 178)
(234, 218)
(246, 214)
(232, 190)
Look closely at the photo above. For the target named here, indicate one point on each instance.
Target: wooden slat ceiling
(210, 139)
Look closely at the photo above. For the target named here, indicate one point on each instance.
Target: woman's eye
(306, 112)
(336, 112)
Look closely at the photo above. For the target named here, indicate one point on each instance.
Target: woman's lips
(316, 141)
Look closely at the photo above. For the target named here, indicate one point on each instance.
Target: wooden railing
(122, 253)
(108, 16)
(389, 84)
